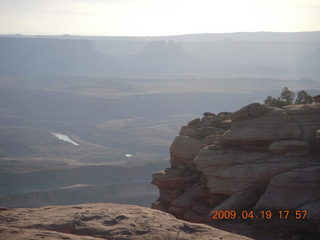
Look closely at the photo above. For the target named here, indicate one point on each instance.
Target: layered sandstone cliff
(258, 159)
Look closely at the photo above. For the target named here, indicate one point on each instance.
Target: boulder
(215, 142)
(177, 211)
(226, 124)
(161, 205)
(233, 179)
(201, 209)
(174, 178)
(304, 110)
(313, 212)
(191, 216)
(261, 132)
(309, 130)
(242, 200)
(3, 209)
(298, 122)
(225, 157)
(173, 182)
(194, 122)
(208, 114)
(253, 110)
(316, 98)
(184, 201)
(256, 110)
(186, 131)
(318, 140)
(296, 190)
(225, 115)
(210, 121)
(292, 190)
(292, 147)
(307, 116)
(183, 150)
(207, 131)
(212, 139)
(318, 134)
(216, 199)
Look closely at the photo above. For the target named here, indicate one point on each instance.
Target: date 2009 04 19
(283, 214)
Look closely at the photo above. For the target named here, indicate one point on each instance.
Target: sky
(156, 17)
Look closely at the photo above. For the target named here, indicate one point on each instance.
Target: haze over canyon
(87, 119)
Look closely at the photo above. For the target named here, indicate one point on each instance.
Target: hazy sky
(156, 17)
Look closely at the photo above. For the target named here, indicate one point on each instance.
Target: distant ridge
(244, 53)
(312, 36)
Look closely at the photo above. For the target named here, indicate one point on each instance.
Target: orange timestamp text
(265, 214)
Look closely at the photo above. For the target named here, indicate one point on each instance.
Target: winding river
(64, 138)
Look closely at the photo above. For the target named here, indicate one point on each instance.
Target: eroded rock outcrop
(256, 159)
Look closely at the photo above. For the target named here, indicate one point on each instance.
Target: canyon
(247, 173)
(250, 174)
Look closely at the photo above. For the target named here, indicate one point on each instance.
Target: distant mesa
(163, 57)
(262, 53)
(163, 49)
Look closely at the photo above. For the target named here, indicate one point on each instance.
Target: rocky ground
(113, 222)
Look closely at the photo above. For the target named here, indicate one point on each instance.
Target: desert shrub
(287, 98)
(303, 98)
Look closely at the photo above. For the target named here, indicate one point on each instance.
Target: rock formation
(256, 160)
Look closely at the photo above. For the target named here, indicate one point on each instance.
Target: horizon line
(148, 36)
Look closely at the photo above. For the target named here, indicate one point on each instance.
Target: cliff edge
(259, 164)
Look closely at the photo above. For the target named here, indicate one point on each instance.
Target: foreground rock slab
(102, 221)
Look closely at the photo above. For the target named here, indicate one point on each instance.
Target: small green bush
(287, 98)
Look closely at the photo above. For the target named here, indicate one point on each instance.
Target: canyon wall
(261, 163)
